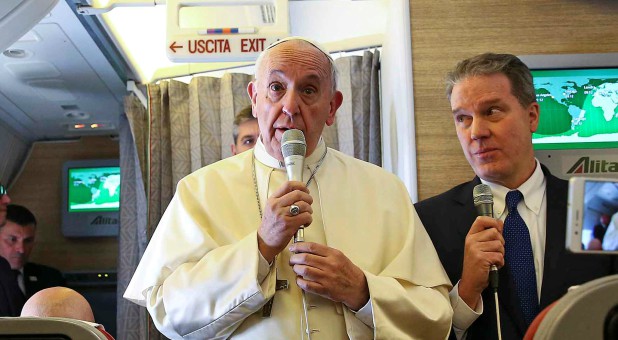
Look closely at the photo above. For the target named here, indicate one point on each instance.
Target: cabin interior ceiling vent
(54, 75)
(72, 66)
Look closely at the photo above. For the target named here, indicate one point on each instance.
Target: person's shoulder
(4, 265)
(5, 270)
(553, 179)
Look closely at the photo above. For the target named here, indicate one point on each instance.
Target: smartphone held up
(592, 221)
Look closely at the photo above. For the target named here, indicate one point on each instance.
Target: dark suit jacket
(448, 217)
(11, 298)
(38, 277)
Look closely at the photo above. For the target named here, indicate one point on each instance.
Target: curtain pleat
(131, 321)
(206, 92)
(158, 106)
(189, 126)
(375, 126)
(178, 160)
(357, 129)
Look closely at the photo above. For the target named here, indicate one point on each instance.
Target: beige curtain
(188, 126)
(356, 131)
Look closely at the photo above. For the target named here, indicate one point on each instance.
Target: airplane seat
(534, 326)
(34, 328)
(587, 312)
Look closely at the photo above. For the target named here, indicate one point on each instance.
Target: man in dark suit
(495, 112)
(17, 238)
(11, 299)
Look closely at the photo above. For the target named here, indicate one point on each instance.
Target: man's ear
(534, 113)
(335, 103)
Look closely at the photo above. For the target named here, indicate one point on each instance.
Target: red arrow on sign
(173, 47)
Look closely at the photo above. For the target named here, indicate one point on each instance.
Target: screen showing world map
(579, 108)
(94, 189)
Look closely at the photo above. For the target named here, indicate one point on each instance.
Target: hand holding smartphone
(592, 221)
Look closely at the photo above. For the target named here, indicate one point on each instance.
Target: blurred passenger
(610, 240)
(11, 298)
(245, 131)
(4, 202)
(58, 302)
(17, 239)
(61, 302)
(598, 232)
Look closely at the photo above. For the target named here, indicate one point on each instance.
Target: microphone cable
(493, 283)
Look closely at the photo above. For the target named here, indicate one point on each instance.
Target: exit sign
(203, 30)
(217, 47)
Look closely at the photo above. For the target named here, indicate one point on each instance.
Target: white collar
(265, 158)
(533, 190)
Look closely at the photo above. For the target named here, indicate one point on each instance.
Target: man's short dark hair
(487, 64)
(244, 115)
(20, 215)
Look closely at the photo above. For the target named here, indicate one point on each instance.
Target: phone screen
(600, 215)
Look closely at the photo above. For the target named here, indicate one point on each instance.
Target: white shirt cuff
(365, 314)
(263, 268)
(463, 315)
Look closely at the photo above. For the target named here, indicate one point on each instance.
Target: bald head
(291, 51)
(60, 302)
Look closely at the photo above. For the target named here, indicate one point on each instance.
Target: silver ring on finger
(294, 210)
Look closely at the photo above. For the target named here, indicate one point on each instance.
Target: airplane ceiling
(71, 71)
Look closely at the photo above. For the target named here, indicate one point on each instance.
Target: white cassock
(202, 277)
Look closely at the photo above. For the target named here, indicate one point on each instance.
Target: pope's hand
(329, 273)
(278, 224)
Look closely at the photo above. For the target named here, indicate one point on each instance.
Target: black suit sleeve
(11, 298)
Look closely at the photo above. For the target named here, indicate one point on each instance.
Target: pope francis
(221, 264)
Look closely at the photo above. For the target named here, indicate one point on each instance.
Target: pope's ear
(252, 91)
(335, 103)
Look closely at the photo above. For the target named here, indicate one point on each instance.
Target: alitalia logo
(585, 165)
(99, 220)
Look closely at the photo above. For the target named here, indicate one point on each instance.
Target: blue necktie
(519, 258)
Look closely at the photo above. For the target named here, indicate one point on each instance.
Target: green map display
(579, 108)
(94, 189)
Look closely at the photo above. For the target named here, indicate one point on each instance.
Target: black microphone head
(483, 200)
(293, 143)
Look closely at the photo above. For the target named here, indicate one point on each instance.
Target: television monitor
(578, 125)
(91, 198)
(578, 108)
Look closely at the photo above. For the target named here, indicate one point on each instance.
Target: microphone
(293, 148)
(484, 204)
